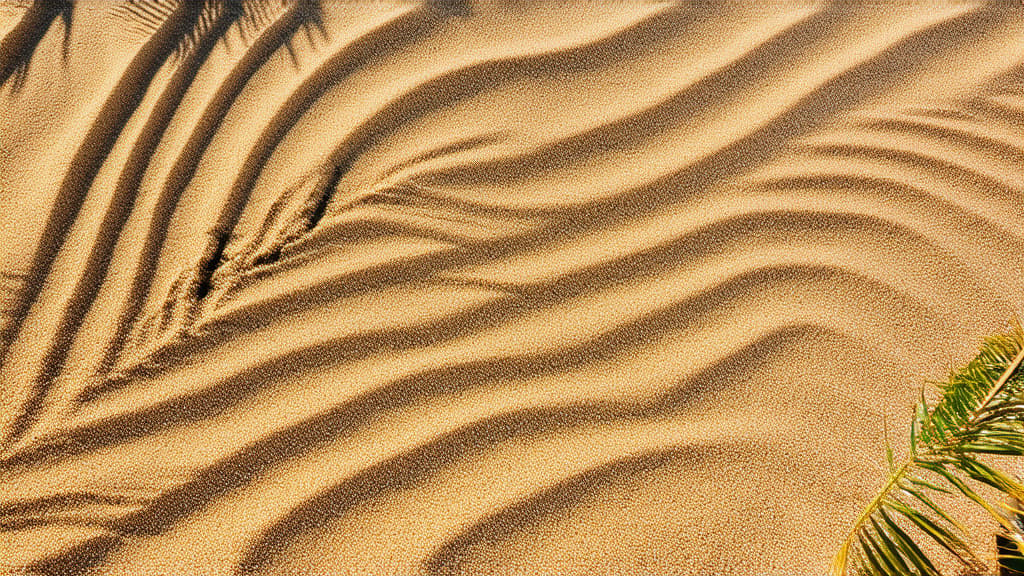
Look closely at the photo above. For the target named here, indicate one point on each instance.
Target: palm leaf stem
(839, 563)
(1000, 384)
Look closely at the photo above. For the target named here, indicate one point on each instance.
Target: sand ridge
(331, 287)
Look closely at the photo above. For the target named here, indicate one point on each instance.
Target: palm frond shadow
(19, 45)
(184, 31)
(980, 414)
(250, 16)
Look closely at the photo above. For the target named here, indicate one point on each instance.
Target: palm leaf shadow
(20, 44)
(182, 31)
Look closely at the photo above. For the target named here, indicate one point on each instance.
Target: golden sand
(492, 287)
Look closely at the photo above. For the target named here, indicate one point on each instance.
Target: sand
(493, 287)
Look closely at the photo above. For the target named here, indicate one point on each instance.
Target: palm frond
(980, 413)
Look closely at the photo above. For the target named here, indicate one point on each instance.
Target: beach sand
(492, 287)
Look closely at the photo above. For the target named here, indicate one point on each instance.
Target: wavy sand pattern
(491, 287)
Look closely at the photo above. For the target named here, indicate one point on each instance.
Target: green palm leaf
(981, 412)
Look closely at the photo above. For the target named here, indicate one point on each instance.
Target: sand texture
(394, 288)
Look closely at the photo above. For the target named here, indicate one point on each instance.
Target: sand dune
(326, 287)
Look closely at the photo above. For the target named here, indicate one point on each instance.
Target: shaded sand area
(493, 287)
